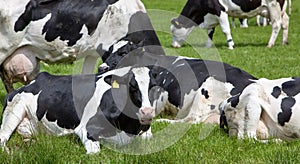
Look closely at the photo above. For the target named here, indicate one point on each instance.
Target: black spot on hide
(286, 106)
(276, 92)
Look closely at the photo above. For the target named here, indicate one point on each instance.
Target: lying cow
(194, 87)
(208, 14)
(265, 109)
(63, 31)
(113, 106)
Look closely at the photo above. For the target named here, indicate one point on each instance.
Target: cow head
(242, 113)
(231, 117)
(179, 32)
(141, 96)
(131, 94)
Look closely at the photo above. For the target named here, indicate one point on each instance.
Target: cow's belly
(31, 125)
(292, 127)
(241, 14)
(210, 21)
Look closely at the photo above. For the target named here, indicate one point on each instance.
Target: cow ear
(223, 122)
(175, 22)
(115, 81)
(153, 76)
(107, 79)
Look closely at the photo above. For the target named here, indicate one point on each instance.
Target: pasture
(197, 143)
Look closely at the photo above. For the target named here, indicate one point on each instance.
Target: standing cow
(265, 109)
(208, 14)
(113, 106)
(63, 31)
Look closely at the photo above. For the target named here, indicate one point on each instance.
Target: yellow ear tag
(115, 84)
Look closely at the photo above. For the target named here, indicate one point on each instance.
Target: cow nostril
(147, 111)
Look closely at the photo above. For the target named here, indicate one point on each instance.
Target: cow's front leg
(225, 26)
(12, 116)
(147, 134)
(210, 33)
(275, 17)
(91, 146)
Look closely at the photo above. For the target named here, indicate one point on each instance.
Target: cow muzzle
(146, 115)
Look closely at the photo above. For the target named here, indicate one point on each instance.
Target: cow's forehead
(140, 71)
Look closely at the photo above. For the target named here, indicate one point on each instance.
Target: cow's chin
(146, 121)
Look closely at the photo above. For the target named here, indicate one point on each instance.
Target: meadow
(196, 143)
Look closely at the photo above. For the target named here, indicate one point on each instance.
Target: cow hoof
(146, 135)
(269, 46)
(285, 43)
(92, 147)
(231, 47)
(3, 145)
(176, 45)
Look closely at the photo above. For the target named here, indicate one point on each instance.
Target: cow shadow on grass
(220, 45)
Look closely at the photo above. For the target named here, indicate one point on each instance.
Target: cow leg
(290, 7)
(147, 134)
(252, 111)
(233, 23)
(91, 146)
(275, 16)
(27, 128)
(12, 116)
(210, 33)
(225, 26)
(243, 23)
(285, 28)
(89, 64)
(6, 82)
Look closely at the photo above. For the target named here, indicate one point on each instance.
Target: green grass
(250, 55)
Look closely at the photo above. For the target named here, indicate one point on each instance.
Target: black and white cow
(265, 109)
(113, 106)
(208, 14)
(194, 87)
(63, 31)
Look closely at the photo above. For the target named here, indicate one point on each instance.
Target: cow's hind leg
(7, 84)
(285, 28)
(12, 116)
(275, 16)
(224, 23)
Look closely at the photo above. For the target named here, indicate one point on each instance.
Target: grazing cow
(208, 14)
(265, 109)
(113, 106)
(63, 31)
(262, 21)
(194, 87)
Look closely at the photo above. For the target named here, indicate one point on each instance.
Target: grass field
(199, 143)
